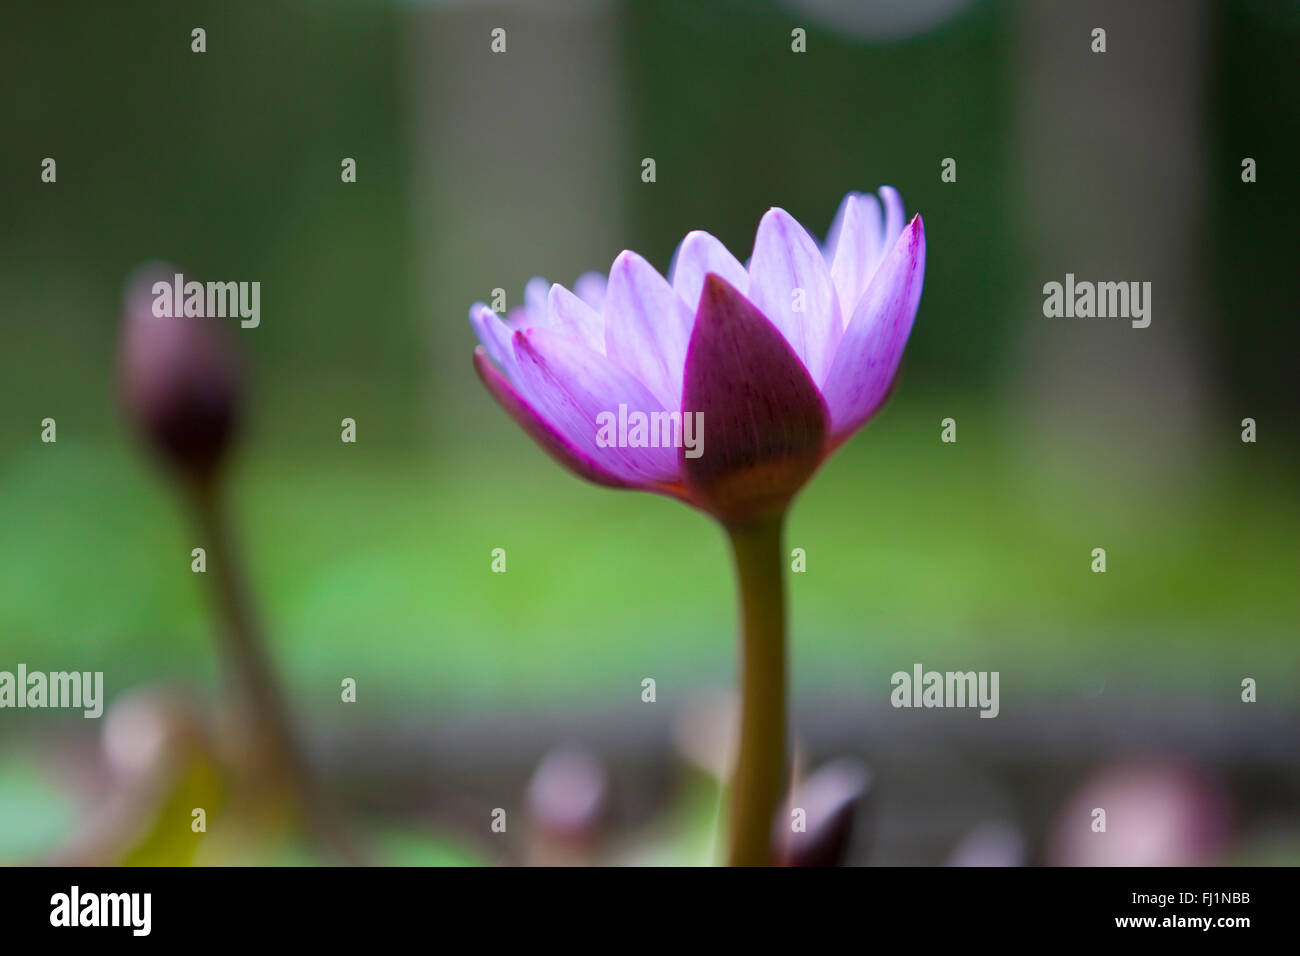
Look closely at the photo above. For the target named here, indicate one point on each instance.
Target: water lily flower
(725, 386)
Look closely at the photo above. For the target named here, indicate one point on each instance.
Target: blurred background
(477, 170)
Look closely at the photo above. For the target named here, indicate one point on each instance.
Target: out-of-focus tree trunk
(514, 159)
(1112, 149)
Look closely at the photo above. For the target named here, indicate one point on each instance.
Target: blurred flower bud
(830, 799)
(179, 377)
(568, 796)
(990, 844)
(1157, 813)
(149, 728)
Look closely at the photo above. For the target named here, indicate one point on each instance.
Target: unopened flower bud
(830, 800)
(180, 379)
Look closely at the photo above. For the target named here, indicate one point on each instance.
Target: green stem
(275, 751)
(760, 774)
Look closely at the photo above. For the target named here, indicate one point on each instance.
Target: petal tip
(624, 260)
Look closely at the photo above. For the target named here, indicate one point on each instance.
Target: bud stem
(760, 773)
(264, 716)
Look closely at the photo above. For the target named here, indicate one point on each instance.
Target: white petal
(647, 327)
(894, 221)
(857, 249)
(569, 315)
(536, 293)
(791, 285)
(590, 288)
(872, 347)
(697, 256)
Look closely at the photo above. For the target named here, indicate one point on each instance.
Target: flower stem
(760, 773)
(273, 747)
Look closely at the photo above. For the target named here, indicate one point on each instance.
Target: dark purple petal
(765, 423)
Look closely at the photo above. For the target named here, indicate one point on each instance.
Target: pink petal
(765, 423)
(787, 259)
(571, 385)
(647, 327)
(697, 256)
(494, 334)
(872, 347)
(539, 429)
